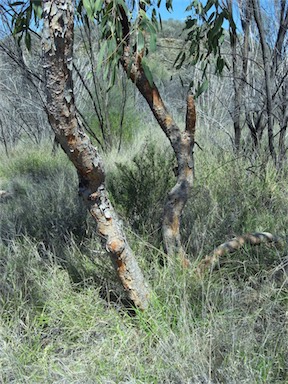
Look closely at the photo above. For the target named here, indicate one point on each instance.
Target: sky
(178, 13)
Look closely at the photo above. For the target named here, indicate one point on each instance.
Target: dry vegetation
(62, 319)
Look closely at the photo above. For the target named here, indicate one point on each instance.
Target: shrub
(139, 188)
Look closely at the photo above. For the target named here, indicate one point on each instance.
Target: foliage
(139, 188)
(123, 126)
(53, 330)
(204, 35)
(120, 21)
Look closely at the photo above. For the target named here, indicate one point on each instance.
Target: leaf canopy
(138, 22)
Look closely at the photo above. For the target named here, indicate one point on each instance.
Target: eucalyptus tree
(128, 31)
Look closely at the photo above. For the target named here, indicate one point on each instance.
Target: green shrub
(139, 188)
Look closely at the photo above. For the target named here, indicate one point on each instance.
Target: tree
(259, 73)
(58, 33)
(132, 54)
(125, 43)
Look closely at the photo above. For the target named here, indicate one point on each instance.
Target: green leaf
(89, 6)
(140, 41)
(28, 40)
(153, 42)
(111, 47)
(169, 5)
(147, 73)
(218, 23)
(98, 5)
(154, 18)
(189, 23)
(181, 61)
(123, 5)
(37, 11)
(211, 17)
(16, 3)
(201, 88)
(160, 22)
(101, 54)
(209, 5)
(220, 65)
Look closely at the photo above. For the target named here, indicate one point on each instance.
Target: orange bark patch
(188, 171)
(185, 262)
(175, 225)
(168, 120)
(190, 115)
(116, 246)
(71, 140)
(121, 266)
(157, 101)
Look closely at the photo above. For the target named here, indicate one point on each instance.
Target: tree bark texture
(58, 54)
(209, 262)
(182, 143)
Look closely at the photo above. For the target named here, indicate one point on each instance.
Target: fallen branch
(209, 262)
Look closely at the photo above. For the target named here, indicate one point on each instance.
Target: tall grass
(59, 321)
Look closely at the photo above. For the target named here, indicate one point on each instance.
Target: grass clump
(231, 198)
(214, 331)
(56, 327)
(45, 203)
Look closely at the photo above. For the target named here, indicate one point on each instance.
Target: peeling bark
(58, 53)
(182, 143)
(209, 262)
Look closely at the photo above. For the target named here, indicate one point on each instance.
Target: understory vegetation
(64, 316)
(63, 319)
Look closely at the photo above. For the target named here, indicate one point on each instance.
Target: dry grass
(60, 322)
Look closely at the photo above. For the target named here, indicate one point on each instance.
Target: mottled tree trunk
(58, 55)
(283, 129)
(210, 261)
(182, 143)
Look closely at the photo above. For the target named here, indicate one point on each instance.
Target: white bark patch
(53, 9)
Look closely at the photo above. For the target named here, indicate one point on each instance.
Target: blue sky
(178, 13)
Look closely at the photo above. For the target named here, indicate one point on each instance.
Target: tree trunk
(268, 77)
(182, 144)
(58, 54)
(236, 85)
(210, 261)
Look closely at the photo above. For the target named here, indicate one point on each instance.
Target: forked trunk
(182, 143)
(58, 54)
